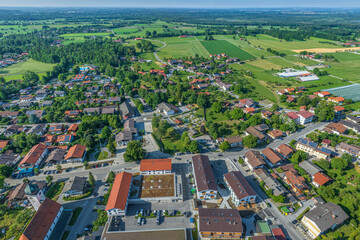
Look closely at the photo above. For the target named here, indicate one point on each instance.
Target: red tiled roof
(278, 234)
(339, 108)
(119, 192)
(3, 143)
(155, 164)
(321, 178)
(76, 151)
(34, 154)
(73, 127)
(305, 114)
(42, 221)
(292, 115)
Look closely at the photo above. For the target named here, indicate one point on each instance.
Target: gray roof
(204, 176)
(270, 182)
(38, 129)
(56, 155)
(239, 184)
(167, 107)
(78, 184)
(351, 125)
(124, 136)
(126, 109)
(327, 215)
(310, 167)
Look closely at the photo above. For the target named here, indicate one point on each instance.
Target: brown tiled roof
(42, 221)
(285, 150)
(3, 143)
(203, 173)
(155, 164)
(321, 178)
(252, 131)
(233, 139)
(220, 220)
(254, 158)
(276, 133)
(239, 184)
(73, 127)
(34, 154)
(76, 151)
(119, 192)
(272, 156)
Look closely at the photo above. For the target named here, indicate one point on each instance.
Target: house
(43, 222)
(109, 86)
(126, 110)
(26, 98)
(241, 191)
(118, 198)
(335, 128)
(93, 110)
(338, 100)
(167, 109)
(339, 110)
(235, 141)
(351, 118)
(48, 139)
(305, 117)
(266, 114)
(9, 114)
(223, 86)
(155, 166)
(320, 179)
(126, 135)
(276, 134)
(76, 153)
(350, 149)
(3, 144)
(18, 196)
(73, 113)
(285, 150)
(246, 103)
(65, 138)
(9, 158)
(47, 103)
(41, 94)
(322, 218)
(217, 223)
(38, 129)
(14, 129)
(252, 131)
(108, 110)
(297, 182)
(56, 129)
(250, 110)
(77, 187)
(254, 160)
(25, 104)
(310, 167)
(278, 233)
(59, 93)
(322, 94)
(204, 177)
(38, 113)
(73, 128)
(313, 149)
(350, 125)
(274, 158)
(56, 156)
(33, 158)
(270, 182)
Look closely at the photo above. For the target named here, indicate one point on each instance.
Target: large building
(220, 223)
(313, 149)
(33, 158)
(118, 199)
(205, 180)
(155, 166)
(240, 190)
(43, 222)
(323, 217)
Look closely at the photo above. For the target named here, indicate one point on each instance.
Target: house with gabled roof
(254, 160)
(155, 166)
(76, 153)
(204, 177)
(241, 191)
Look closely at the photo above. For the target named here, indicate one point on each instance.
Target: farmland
(182, 47)
(28, 65)
(223, 46)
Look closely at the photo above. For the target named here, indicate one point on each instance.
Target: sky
(183, 3)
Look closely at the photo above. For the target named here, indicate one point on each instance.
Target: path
(157, 50)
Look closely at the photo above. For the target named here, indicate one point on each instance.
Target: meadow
(182, 47)
(223, 46)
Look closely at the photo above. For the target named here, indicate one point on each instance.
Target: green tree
(76, 70)
(339, 163)
(91, 179)
(111, 177)
(49, 179)
(5, 170)
(203, 101)
(155, 121)
(193, 146)
(250, 141)
(225, 146)
(347, 157)
(216, 107)
(111, 146)
(313, 136)
(105, 132)
(134, 151)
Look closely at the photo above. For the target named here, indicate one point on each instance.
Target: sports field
(223, 46)
(28, 65)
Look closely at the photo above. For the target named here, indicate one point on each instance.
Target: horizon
(185, 4)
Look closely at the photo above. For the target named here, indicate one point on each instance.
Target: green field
(223, 46)
(182, 47)
(15, 70)
(80, 37)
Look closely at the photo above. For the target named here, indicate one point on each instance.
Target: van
(158, 219)
(139, 221)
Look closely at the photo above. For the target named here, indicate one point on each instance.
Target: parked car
(294, 221)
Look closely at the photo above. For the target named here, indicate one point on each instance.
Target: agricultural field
(182, 47)
(80, 37)
(223, 46)
(28, 65)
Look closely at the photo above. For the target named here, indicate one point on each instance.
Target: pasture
(182, 47)
(223, 46)
(22, 67)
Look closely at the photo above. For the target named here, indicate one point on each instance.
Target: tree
(225, 146)
(111, 146)
(33, 119)
(347, 157)
(91, 179)
(184, 135)
(5, 170)
(203, 101)
(193, 146)
(202, 129)
(111, 177)
(58, 167)
(250, 141)
(49, 179)
(155, 122)
(76, 70)
(313, 136)
(216, 107)
(134, 151)
(105, 132)
(62, 77)
(339, 163)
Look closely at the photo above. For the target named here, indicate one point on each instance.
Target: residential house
(254, 159)
(43, 222)
(65, 138)
(322, 218)
(339, 110)
(296, 181)
(59, 93)
(127, 134)
(335, 128)
(204, 177)
(26, 98)
(252, 131)
(93, 110)
(350, 125)
(217, 223)
(276, 134)
(167, 109)
(56, 156)
(118, 198)
(313, 149)
(56, 129)
(320, 179)
(338, 100)
(38, 129)
(126, 110)
(155, 166)
(241, 191)
(3, 144)
(305, 117)
(73, 113)
(234, 141)
(269, 181)
(322, 94)
(310, 167)
(37, 113)
(41, 94)
(17, 197)
(352, 118)
(274, 158)
(47, 103)
(77, 187)
(33, 158)
(76, 153)
(9, 114)
(73, 128)
(350, 149)
(25, 104)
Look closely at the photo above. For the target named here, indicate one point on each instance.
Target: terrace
(154, 186)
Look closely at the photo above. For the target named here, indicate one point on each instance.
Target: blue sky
(182, 3)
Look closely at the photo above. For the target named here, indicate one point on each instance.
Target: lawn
(182, 47)
(223, 46)
(75, 216)
(28, 65)
(55, 189)
(101, 155)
